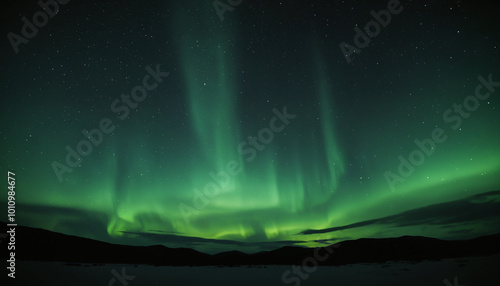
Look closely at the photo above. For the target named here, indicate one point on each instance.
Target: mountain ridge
(35, 244)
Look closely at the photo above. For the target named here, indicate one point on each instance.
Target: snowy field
(469, 272)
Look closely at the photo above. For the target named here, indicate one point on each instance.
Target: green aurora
(315, 178)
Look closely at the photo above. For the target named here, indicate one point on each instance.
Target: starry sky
(251, 128)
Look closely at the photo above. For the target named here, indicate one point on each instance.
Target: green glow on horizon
(324, 170)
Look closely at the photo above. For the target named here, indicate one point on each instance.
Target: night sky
(253, 130)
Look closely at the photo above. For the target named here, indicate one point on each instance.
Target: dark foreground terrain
(49, 258)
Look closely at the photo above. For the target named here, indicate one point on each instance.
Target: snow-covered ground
(469, 272)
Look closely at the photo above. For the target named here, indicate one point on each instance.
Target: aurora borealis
(315, 177)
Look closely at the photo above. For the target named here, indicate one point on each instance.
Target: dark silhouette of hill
(43, 245)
